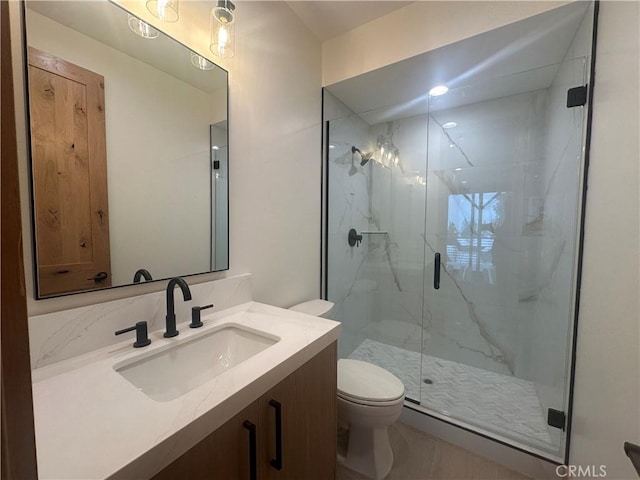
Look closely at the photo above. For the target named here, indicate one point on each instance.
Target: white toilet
(370, 399)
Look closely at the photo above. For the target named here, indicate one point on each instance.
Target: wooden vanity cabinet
(307, 403)
(224, 454)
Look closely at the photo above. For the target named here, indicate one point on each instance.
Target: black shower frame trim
(585, 177)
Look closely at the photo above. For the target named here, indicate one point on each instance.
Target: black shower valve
(354, 238)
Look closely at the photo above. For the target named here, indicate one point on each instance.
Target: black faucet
(142, 273)
(171, 313)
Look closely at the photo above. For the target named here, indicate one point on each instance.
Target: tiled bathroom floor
(418, 456)
(500, 403)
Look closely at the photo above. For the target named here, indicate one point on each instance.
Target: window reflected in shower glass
(474, 220)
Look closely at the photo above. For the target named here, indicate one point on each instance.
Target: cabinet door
(223, 455)
(307, 400)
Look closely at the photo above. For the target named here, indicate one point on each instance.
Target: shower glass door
(503, 190)
(376, 282)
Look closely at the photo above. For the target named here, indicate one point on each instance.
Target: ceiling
(521, 57)
(327, 19)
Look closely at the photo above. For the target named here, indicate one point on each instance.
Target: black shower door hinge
(577, 96)
(556, 418)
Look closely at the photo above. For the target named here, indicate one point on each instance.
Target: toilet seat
(367, 384)
(370, 403)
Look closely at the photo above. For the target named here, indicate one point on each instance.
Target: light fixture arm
(227, 4)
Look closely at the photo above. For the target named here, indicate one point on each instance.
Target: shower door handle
(436, 271)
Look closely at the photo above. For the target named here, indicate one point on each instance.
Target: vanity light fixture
(200, 62)
(449, 125)
(141, 28)
(165, 10)
(438, 90)
(222, 30)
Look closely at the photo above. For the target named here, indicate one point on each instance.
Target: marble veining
(497, 352)
(58, 336)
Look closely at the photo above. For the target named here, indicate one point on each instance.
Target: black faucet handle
(142, 334)
(196, 321)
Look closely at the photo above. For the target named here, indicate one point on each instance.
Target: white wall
(274, 154)
(274, 144)
(417, 28)
(274, 151)
(607, 399)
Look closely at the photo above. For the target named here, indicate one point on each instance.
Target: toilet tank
(317, 308)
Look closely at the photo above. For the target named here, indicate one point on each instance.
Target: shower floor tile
(506, 405)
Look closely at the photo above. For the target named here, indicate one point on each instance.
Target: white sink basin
(176, 370)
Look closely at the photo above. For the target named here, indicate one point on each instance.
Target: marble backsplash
(58, 336)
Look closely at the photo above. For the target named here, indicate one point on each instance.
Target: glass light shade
(200, 62)
(165, 10)
(222, 36)
(141, 28)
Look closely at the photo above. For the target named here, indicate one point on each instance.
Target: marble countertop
(92, 423)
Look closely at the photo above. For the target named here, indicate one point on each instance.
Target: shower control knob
(354, 238)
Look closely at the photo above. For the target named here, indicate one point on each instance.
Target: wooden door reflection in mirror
(67, 114)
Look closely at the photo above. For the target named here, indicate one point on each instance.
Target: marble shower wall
(396, 259)
(349, 189)
(505, 309)
(493, 159)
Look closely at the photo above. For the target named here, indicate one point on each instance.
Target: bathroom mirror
(129, 161)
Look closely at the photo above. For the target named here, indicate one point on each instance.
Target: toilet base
(368, 452)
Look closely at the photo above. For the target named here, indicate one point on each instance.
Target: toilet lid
(363, 381)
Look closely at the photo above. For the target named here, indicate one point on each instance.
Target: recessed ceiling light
(449, 125)
(332, 146)
(458, 169)
(464, 182)
(438, 90)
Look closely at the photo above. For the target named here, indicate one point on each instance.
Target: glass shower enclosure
(452, 226)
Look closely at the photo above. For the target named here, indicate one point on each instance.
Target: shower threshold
(494, 405)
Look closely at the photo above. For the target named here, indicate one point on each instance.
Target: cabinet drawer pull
(253, 466)
(277, 462)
